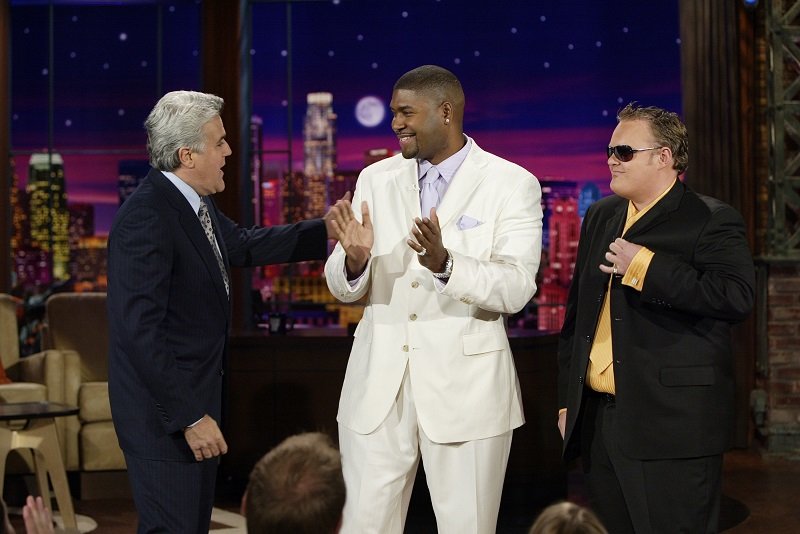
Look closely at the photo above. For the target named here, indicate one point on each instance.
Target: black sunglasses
(625, 153)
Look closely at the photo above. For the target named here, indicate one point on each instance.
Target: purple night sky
(543, 80)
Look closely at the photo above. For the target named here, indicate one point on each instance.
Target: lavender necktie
(429, 195)
(205, 220)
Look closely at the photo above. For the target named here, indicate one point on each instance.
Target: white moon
(370, 111)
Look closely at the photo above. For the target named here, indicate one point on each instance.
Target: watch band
(448, 268)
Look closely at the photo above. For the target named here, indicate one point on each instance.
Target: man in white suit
(431, 374)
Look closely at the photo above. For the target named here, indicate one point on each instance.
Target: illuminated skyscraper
(270, 202)
(32, 268)
(565, 229)
(81, 222)
(319, 147)
(20, 221)
(49, 218)
(589, 194)
(257, 165)
(89, 266)
(292, 196)
(81, 226)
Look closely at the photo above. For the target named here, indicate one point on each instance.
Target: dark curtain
(723, 59)
(5, 168)
(723, 108)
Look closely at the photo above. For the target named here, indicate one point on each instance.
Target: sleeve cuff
(637, 270)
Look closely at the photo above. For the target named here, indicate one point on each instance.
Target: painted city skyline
(543, 82)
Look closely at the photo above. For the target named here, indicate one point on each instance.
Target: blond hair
(567, 518)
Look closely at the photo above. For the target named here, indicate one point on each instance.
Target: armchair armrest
(60, 372)
(23, 392)
(47, 368)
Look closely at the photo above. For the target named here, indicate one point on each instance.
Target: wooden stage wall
(281, 385)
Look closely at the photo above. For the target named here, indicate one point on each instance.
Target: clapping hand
(428, 244)
(344, 204)
(355, 237)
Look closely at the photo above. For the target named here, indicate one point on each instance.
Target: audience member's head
(296, 488)
(567, 518)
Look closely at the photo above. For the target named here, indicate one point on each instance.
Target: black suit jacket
(169, 313)
(673, 367)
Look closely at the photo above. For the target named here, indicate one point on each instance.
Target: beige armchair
(36, 378)
(77, 330)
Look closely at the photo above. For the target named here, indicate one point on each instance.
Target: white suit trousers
(465, 479)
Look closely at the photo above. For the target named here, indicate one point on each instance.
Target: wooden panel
(281, 385)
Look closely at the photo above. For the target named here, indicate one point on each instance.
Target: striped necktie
(205, 220)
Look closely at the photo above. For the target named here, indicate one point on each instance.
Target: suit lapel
(615, 224)
(659, 213)
(467, 178)
(407, 184)
(191, 226)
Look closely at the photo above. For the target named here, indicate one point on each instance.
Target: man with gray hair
(169, 255)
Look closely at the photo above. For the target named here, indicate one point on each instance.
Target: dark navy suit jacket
(673, 366)
(169, 314)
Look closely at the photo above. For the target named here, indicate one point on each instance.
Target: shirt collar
(634, 215)
(448, 167)
(186, 190)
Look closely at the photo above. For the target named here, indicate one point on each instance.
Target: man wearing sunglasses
(645, 364)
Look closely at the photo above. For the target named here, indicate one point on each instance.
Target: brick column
(782, 380)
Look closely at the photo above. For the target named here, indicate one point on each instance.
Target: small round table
(39, 434)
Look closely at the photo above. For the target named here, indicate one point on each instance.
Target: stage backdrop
(543, 83)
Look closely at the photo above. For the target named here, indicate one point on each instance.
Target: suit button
(405, 348)
(580, 380)
(587, 338)
(618, 362)
(221, 372)
(415, 284)
(413, 317)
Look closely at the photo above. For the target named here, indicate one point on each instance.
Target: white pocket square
(465, 222)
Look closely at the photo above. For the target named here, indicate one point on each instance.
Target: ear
(665, 157)
(447, 112)
(185, 157)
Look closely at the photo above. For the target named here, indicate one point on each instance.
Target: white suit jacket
(453, 342)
